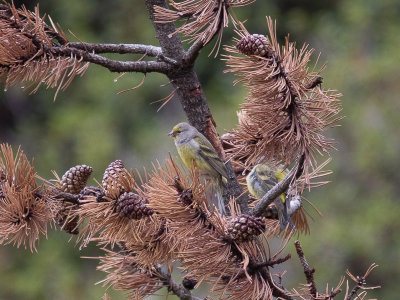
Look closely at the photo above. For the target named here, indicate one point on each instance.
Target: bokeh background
(89, 123)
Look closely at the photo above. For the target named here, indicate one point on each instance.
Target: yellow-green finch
(197, 152)
(260, 180)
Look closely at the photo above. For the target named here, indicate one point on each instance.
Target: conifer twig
(360, 282)
(192, 53)
(150, 50)
(176, 288)
(114, 65)
(307, 271)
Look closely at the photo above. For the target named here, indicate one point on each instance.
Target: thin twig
(254, 266)
(334, 293)
(176, 288)
(317, 81)
(307, 271)
(68, 197)
(277, 291)
(360, 282)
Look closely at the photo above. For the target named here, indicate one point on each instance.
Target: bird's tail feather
(217, 196)
(283, 216)
(220, 202)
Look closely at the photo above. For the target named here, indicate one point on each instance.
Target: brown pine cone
(133, 206)
(112, 177)
(76, 178)
(245, 227)
(67, 223)
(254, 44)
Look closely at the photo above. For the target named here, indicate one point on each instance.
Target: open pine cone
(133, 206)
(76, 178)
(244, 227)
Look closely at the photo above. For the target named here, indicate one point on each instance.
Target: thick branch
(114, 65)
(176, 288)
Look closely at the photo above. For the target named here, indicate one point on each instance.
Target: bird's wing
(267, 177)
(208, 153)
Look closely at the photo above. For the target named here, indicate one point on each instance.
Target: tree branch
(193, 52)
(176, 288)
(114, 65)
(277, 291)
(307, 271)
(149, 50)
(360, 282)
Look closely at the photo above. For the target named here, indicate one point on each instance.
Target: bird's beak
(171, 134)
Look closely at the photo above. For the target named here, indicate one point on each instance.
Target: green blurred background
(89, 123)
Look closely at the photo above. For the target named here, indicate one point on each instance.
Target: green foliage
(90, 124)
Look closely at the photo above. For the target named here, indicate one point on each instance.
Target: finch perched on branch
(197, 152)
(260, 180)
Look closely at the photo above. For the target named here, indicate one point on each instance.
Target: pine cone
(75, 179)
(186, 197)
(133, 206)
(112, 175)
(245, 227)
(189, 283)
(254, 44)
(69, 225)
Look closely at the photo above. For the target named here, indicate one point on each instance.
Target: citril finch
(260, 180)
(197, 152)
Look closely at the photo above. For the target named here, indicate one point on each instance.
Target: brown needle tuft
(26, 56)
(24, 214)
(203, 19)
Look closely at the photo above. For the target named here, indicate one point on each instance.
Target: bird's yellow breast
(191, 158)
